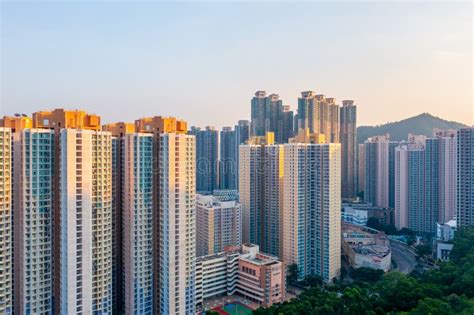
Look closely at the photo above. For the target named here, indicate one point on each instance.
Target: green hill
(422, 124)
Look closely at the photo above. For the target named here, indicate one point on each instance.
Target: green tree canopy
(447, 291)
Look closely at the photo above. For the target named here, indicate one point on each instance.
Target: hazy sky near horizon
(204, 61)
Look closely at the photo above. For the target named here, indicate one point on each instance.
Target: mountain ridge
(422, 124)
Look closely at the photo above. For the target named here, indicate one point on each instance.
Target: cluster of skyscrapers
(426, 180)
(151, 217)
(103, 216)
(316, 113)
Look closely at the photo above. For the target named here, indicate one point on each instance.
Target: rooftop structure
(365, 247)
(61, 118)
(158, 124)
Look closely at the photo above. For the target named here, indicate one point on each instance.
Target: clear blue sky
(203, 61)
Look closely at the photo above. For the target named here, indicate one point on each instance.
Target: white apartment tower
(137, 216)
(177, 223)
(447, 174)
(5, 222)
(85, 176)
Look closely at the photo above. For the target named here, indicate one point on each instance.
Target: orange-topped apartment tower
(164, 152)
(62, 198)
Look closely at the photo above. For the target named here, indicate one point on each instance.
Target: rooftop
(372, 250)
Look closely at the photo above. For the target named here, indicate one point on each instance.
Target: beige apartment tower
(311, 209)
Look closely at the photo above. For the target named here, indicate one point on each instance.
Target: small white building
(359, 213)
(355, 216)
(443, 250)
(445, 232)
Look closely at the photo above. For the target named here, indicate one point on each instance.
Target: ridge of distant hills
(422, 124)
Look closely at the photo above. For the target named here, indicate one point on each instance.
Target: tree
(364, 274)
(423, 250)
(312, 281)
(292, 274)
(407, 231)
(447, 291)
(432, 307)
(397, 292)
(356, 301)
(460, 304)
(373, 223)
(463, 243)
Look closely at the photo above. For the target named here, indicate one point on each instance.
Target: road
(404, 258)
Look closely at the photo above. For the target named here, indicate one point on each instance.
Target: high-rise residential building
(82, 205)
(173, 180)
(272, 199)
(465, 177)
(270, 115)
(177, 224)
(241, 270)
(319, 114)
(287, 121)
(425, 181)
(62, 205)
(85, 221)
(207, 144)
(360, 168)
(312, 209)
(261, 171)
(295, 124)
(6, 246)
(219, 222)
(137, 198)
(250, 178)
(447, 174)
(137, 216)
(118, 130)
(266, 114)
(431, 194)
(242, 133)
(228, 159)
(80, 194)
(379, 171)
(348, 137)
(33, 172)
(410, 185)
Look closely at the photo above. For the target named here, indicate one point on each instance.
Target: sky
(203, 61)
